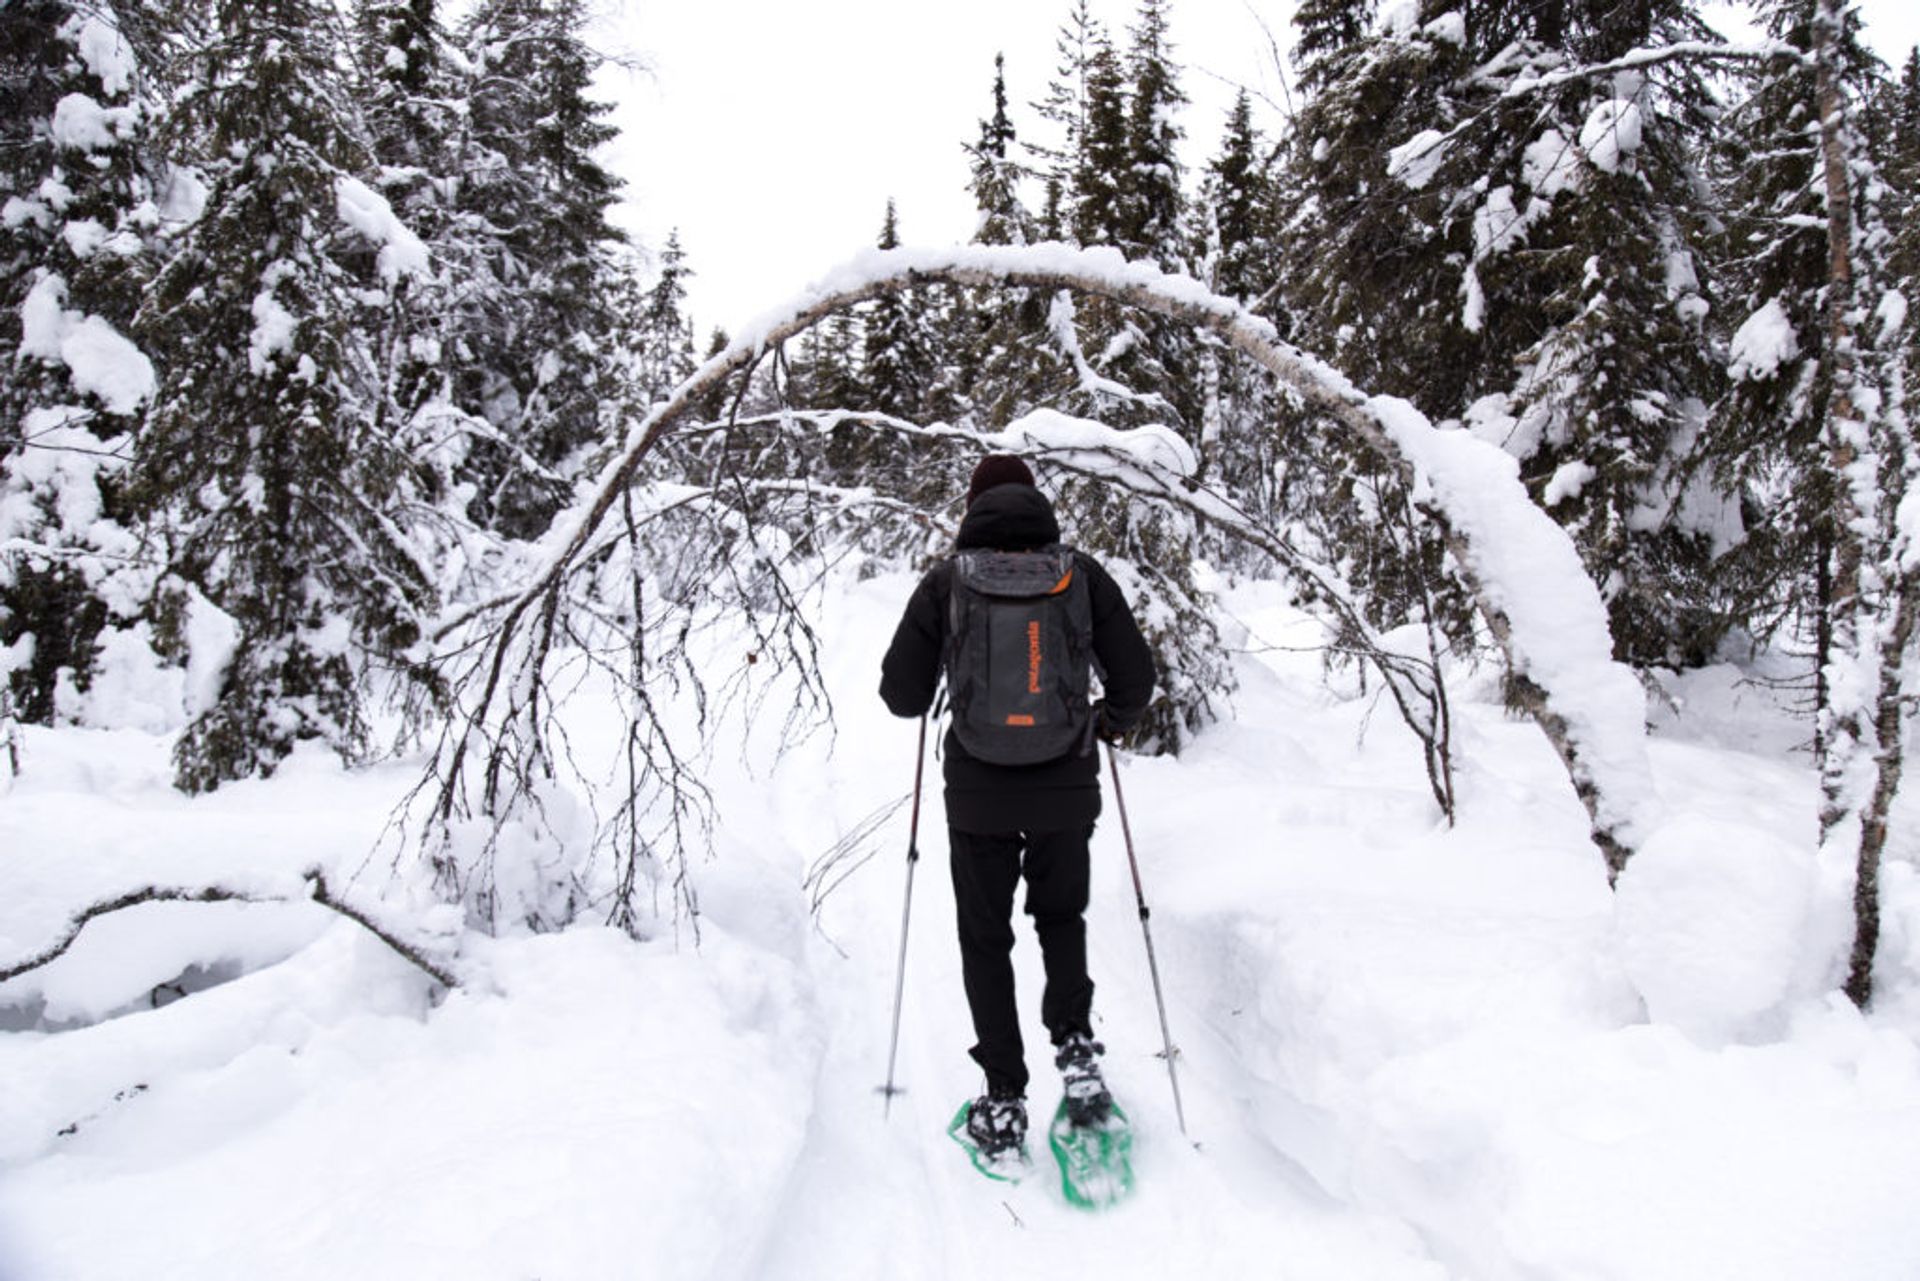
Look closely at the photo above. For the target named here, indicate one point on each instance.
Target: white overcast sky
(772, 132)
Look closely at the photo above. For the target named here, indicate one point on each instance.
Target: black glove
(1103, 726)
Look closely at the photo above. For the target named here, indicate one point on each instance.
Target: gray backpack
(1019, 654)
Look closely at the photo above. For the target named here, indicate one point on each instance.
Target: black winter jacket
(983, 797)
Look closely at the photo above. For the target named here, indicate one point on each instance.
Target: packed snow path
(1408, 1052)
(895, 1197)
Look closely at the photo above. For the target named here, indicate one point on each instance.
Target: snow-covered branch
(1156, 466)
(1407, 157)
(1522, 569)
(317, 891)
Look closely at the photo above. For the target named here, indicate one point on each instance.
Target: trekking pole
(906, 918)
(1153, 967)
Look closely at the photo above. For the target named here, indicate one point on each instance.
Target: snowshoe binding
(993, 1130)
(1087, 1099)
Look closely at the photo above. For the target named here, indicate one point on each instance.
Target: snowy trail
(873, 1196)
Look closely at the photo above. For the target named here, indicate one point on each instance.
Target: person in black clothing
(1031, 821)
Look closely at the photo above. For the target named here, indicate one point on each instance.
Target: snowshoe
(993, 1130)
(1096, 1160)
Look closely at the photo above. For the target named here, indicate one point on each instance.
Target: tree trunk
(1856, 636)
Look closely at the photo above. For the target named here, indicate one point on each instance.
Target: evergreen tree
(1238, 443)
(1323, 31)
(1150, 179)
(898, 366)
(995, 175)
(1102, 153)
(81, 234)
(665, 334)
(826, 374)
(713, 407)
(1903, 173)
(1066, 107)
(1002, 356)
(1820, 420)
(1529, 264)
(260, 462)
(408, 90)
(1239, 197)
(540, 346)
(1769, 427)
(400, 51)
(1128, 186)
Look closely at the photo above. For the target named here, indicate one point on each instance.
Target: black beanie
(997, 469)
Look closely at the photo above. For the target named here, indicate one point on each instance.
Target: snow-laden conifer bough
(493, 760)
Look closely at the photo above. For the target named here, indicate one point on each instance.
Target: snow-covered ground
(1407, 1051)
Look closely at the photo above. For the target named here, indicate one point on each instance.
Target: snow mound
(1612, 134)
(102, 362)
(1416, 161)
(1711, 915)
(1764, 341)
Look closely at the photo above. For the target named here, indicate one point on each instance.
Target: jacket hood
(1009, 518)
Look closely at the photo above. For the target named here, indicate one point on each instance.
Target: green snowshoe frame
(1096, 1161)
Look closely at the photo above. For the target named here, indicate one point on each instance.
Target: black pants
(985, 871)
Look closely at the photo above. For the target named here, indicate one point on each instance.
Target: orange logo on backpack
(1033, 657)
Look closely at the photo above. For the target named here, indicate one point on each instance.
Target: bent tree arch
(1523, 571)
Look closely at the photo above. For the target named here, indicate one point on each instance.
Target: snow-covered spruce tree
(261, 466)
(407, 88)
(1124, 191)
(1001, 352)
(1903, 169)
(1065, 108)
(826, 368)
(80, 234)
(539, 345)
(1100, 156)
(995, 177)
(1239, 195)
(899, 361)
(1238, 444)
(903, 374)
(664, 334)
(1150, 354)
(1611, 404)
(1769, 427)
(1818, 367)
(1324, 33)
(1151, 200)
(1488, 217)
(1365, 281)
